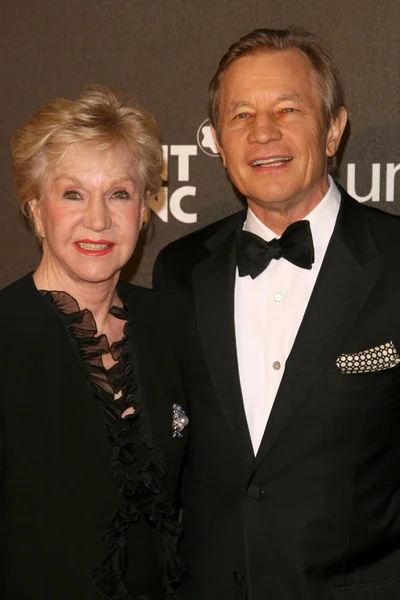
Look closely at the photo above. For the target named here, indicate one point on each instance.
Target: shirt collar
(322, 222)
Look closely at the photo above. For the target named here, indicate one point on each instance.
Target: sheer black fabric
(138, 467)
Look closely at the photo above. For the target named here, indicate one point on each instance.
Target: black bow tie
(253, 254)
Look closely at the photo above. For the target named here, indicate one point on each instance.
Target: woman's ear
(34, 207)
(143, 213)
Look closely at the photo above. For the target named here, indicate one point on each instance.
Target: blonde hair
(323, 64)
(100, 115)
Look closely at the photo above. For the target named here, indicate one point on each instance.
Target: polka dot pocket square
(379, 358)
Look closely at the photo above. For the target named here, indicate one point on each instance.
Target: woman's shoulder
(17, 295)
(22, 307)
(16, 287)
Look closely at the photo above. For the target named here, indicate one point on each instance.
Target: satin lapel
(213, 284)
(341, 290)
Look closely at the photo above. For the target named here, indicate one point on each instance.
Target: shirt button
(276, 365)
(278, 297)
(238, 578)
(254, 491)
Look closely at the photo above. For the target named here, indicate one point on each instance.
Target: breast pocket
(364, 592)
(348, 383)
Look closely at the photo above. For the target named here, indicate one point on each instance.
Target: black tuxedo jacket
(57, 494)
(315, 515)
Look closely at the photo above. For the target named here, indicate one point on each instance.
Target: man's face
(273, 139)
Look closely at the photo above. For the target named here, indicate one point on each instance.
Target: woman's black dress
(138, 466)
(89, 466)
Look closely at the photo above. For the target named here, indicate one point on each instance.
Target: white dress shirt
(269, 310)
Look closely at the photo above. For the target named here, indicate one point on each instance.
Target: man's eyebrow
(292, 96)
(289, 96)
(235, 104)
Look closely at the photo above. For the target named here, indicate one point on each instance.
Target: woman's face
(89, 215)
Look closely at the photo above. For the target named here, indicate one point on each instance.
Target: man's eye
(71, 195)
(289, 109)
(123, 194)
(241, 116)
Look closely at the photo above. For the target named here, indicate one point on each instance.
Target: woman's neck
(98, 297)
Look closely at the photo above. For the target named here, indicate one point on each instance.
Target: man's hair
(323, 64)
(100, 115)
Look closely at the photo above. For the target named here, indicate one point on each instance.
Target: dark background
(164, 53)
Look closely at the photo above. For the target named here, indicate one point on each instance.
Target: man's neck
(277, 216)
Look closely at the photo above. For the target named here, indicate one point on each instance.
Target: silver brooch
(179, 420)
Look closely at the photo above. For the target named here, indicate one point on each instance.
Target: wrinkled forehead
(289, 69)
(92, 150)
(110, 156)
(278, 73)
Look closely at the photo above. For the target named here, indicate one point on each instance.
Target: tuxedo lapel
(213, 284)
(341, 290)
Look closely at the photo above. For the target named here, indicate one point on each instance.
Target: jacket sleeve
(2, 442)
(173, 268)
(160, 272)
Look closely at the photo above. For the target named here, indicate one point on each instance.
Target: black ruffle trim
(141, 495)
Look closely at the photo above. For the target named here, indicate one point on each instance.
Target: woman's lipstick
(94, 247)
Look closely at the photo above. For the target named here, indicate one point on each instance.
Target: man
(292, 486)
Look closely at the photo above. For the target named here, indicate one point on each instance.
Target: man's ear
(37, 218)
(335, 132)
(219, 147)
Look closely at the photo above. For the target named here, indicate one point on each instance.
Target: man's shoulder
(384, 225)
(162, 317)
(150, 304)
(175, 262)
(382, 218)
(197, 239)
(371, 231)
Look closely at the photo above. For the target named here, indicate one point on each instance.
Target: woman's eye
(123, 194)
(71, 195)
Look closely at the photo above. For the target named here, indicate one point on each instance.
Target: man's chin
(271, 201)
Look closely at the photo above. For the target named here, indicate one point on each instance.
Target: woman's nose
(97, 215)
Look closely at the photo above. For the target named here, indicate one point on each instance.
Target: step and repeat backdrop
(164, 53)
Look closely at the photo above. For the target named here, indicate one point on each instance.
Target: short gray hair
(100, 115)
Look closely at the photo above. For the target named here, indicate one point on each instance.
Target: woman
(90, 369)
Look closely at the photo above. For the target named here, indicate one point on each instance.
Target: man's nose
(97, 215)
(265, 128)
